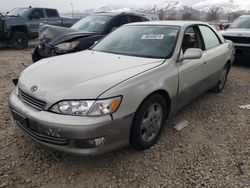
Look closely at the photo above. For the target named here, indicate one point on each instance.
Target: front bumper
(42, 52)
(242, 49)
(63, 133)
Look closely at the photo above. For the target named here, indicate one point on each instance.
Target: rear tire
(19, 40)
(148, 122)
(223, 80)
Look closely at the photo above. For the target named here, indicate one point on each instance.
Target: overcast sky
(65, 5)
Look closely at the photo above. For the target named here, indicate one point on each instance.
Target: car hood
(236, 32)
(14, 20)
(54, 35)
(82, 75)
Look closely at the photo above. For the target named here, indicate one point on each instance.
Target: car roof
(169, 23)
(246, 16)
(116, 13)
(36, 7)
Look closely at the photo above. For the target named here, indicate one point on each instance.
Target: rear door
(53, 17)
(214, 54)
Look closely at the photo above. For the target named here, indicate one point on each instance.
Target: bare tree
(213, 14)
(187, 16)
(161, 14)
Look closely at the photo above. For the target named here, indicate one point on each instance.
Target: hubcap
(223, 79)
(151, 122)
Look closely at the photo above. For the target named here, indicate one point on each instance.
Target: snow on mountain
(171, 5)
(175, 6)
(225, 6)
(167, 5)
(114, 9)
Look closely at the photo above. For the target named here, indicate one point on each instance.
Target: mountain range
(175, 6)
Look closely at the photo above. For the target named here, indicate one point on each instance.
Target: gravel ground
(212, 151)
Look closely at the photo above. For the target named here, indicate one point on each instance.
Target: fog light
(90, 143)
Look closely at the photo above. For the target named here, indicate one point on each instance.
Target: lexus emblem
(33, 88)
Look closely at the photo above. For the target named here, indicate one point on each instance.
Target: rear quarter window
(210, 39)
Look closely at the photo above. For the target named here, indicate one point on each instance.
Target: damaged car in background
(83, 34)
(22, 24)
(122, 90)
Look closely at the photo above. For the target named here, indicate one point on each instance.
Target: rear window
(51, 13)
(135, 19)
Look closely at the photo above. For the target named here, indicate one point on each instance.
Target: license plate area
(20, 119)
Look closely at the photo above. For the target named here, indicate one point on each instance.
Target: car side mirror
(191, 53)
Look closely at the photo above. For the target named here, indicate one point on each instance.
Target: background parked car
(82, 35)
(239, 33)
(22, 24)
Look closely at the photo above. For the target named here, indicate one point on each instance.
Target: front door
(36, 17)
(192, 73)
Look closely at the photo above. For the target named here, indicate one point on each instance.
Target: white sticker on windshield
(152, 37)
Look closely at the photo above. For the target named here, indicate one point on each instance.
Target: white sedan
(122, 90)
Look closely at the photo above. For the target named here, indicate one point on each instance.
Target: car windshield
(18, 12)
(142, 41)
(94, 23)
(242, 22)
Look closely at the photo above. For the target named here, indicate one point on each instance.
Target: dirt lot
(213, 151)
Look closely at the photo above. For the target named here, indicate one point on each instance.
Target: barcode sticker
(152, 37)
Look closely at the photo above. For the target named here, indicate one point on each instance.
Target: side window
(134, 19)
(191, 39)
(121, 20)
(37, 12)
(51, 13)
(210, 38)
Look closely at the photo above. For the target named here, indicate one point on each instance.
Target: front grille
(32, 101)
(240, 40)
(44, 138)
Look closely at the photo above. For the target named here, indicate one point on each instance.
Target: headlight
(88, 107)
(66, 46)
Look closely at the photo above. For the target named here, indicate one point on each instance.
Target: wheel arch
(20, 28)
(165, 96)
(228, 64)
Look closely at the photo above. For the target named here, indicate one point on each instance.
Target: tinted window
(191, 39)
(38, 12)
(134, 19)
(142, 41)
(121, 20)
(51, 13)
(210, 38)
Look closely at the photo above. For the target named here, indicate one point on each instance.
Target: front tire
(19, 40)
(148, 122)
